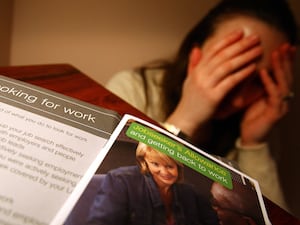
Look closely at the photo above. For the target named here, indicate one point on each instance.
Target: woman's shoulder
(128, 86)
(135, 88)
(126, 176)
(185, 188)
(135, 77)
(125, 171)
(123, 75)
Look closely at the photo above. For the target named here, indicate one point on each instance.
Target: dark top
(131, 198)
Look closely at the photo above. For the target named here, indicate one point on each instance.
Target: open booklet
(64, 161)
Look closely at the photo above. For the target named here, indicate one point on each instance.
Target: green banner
(180, 153)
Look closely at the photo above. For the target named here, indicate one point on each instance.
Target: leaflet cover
(150, 176)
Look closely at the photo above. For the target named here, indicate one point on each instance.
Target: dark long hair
(275, 13)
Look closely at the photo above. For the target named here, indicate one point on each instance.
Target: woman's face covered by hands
(251, 88)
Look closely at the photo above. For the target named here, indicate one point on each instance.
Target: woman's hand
(211, 75)
(261, 116)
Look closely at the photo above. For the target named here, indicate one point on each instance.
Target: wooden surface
(68, 80)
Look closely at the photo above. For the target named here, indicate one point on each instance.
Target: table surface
(70, 81)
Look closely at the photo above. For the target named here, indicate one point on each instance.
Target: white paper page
(41, 161)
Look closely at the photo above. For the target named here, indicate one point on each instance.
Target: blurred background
(98, 37)
(101, 38)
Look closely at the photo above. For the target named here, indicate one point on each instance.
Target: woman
(150, 193)
(228, 85)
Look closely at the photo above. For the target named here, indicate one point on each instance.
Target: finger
(229, 47)
(235, 49)
(227, 41)
(270, 86)
(194, 59)
(233, 80)
(211, 50)
(274, 96)
(281, 76)
(235, 65)
(288, 53)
